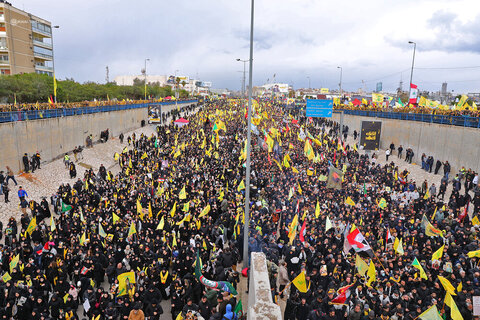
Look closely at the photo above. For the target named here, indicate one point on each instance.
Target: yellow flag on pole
(300, 282)
(132, 230)
(447, 285)
(361, 265)
(371, 273)
(174, 208)
(454, 312)
(437, 255)
(183, 194)
(205, 211)
(161, 223)
(241, 186)
(317, 210)
(32, 225)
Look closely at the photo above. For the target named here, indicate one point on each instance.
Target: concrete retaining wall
(459, 145)
(260, 304)
(57, 136)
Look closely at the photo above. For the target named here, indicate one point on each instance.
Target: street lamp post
(243, 81)
(53, 66)
(411, 71)
(176, 90)
(145, 70)
(340, 83)
(246, 227)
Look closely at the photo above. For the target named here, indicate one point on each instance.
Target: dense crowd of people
(69, 105)
(113, 246)
(470, 112)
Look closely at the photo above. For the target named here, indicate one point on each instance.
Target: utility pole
(246, 227)
(107, 78)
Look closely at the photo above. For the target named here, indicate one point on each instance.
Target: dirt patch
(29, 177)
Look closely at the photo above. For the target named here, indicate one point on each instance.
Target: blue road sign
(319, 108)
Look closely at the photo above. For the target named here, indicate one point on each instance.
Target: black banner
(370, 135)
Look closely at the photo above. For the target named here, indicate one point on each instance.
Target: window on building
(43, 51)
(3, 43)
(3, 57)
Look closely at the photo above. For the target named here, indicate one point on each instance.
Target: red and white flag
(413, 93)
(302, 231)
(342, 295)
(356, 239)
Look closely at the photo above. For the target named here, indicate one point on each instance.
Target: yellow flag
(115, 218)
(328, 224)
(83, 239)
(294, 169)
(6, 277)
(14, 262)
(139, 209)
(183, 194)
(361, 265)
(317, 210)
(122, 281)
(417, 265)
(437, 255)
(174, 242)
(475, 221)
(430, 314)
(241, 186)
(460, 286)
(32, 225)
(472, 254)
(454, 312)
(299, 188)
(161, 223)
(350, 202)
(300, 282)
(132, 230)
(150, 213)
(144, 155)
(101, 232)
(447, 285)
(174, 208)
(205, 211)
(371, 273)
(53, 227)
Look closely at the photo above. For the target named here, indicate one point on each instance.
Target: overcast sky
(294, 39)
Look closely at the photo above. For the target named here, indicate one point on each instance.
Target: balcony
(43, 56)
(43, 68)
(4, 62)
(42, 44)
(41, 32)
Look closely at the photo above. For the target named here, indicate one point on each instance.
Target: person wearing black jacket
(26, 162)
(438, 164)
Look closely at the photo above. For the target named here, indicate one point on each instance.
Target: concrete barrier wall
(459, 145)
(260, 303)
(57, 136)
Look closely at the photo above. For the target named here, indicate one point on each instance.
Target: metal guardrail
(461, 121)
(13, 116)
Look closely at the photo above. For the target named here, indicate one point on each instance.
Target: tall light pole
(246, 227)
(308, 82)
(176, 91)
(145, 71)
(340, 83)
(411, 71)
(243, 82)
(53, 66)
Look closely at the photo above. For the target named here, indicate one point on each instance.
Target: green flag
(238, 309)
(66, 208)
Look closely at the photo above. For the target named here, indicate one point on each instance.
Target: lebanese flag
(464, 214)
(413, 93)
(342, 295)
(356, 239)
(294, 121)
(302, 231)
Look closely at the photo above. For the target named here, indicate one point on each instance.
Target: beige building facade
(25, 42)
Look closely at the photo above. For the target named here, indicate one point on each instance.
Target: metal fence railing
(462, 121)
(12, 116)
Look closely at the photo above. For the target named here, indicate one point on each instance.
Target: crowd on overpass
(470, 112)
(344, 237)
(68, 105)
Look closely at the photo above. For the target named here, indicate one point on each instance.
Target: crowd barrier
(461, 121)
(13, 116)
